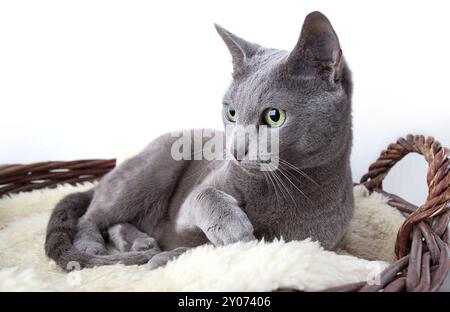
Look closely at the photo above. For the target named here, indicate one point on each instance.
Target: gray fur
(155, 207)
(126, 237)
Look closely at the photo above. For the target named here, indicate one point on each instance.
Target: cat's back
(159, 168)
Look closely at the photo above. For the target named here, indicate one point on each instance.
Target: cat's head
(303, 95)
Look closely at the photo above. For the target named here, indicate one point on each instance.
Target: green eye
(231, 113)
(275, 117)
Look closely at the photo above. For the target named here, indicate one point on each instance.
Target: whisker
(284, 188)
(301, 172)
(295, 168)
(267, 178)
(272, 180)
(285, 174)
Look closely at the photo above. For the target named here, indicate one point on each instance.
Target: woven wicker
(422, 246)
(22, 178)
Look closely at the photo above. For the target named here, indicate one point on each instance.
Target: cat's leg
(126, 258)
(162, 258)
(89, 239)
(135, 247)
(126, 237)
(217, 214)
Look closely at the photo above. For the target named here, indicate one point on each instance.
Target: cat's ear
(318, 51)
(240, 49)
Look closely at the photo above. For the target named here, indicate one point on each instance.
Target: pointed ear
(240, 49)
(318, 50)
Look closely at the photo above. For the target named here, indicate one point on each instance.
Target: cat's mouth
(258, 165)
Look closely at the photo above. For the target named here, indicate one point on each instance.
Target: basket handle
(438, 180)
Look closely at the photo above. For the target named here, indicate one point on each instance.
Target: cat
(153, 208)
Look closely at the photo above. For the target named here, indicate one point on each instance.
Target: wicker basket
(422, 246)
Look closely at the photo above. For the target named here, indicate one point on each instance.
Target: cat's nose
(239, 149)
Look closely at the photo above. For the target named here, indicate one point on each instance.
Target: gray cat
(153, 207)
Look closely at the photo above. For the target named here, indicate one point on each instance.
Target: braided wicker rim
(22, 178)
(422, 246)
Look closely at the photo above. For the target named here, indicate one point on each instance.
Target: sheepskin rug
(251, 266)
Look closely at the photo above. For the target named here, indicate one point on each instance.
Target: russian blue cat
(153, 207)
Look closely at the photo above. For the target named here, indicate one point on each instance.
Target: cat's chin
(252, 165)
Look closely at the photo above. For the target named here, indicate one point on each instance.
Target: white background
(89, 79)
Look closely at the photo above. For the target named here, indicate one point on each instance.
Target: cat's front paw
(92, 248)
(162, 258)
(144, 243)
(230, 228)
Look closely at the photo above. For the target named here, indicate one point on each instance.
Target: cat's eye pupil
(274, 114)
(230, 113)
(274, 117)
